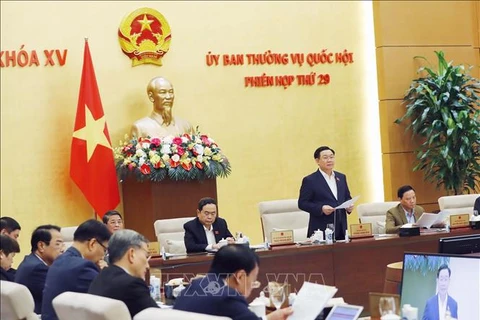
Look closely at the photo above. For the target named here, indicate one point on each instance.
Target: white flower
(145, 145)
(198, 149)
(166, 157)
(141, 161)
(151, 153)
(200, 158)
(184, 139)
(176, 158)
(168, 139)
(165, 149)
(198, 140)
(140, 153)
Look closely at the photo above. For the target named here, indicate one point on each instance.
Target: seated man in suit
(441, 303)
(322, 191)
(124, 279)
(11, 228)
(113, 220)
(223, 291)
(47, 245)
(407, 210)
(206, 230)
(8, 248)
(75, 269)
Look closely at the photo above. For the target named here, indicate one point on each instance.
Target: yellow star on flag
(145, 23)
(92, 133)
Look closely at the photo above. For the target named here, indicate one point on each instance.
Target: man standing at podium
(322, 191)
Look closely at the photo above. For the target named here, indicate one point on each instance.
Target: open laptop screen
(344, 312)
(441, 283)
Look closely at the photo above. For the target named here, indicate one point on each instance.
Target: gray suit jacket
(396, 218)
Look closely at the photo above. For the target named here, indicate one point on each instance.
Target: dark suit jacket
(431, 308)
(210, 295)
(476, 206)
(113, 282)
(69, 272)
(5, 275)
(195, 238)
(315, 193)
(396, 218)
(32, 273)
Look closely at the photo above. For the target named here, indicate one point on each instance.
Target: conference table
(355, 268)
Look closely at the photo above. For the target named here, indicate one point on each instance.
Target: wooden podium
(145, 202)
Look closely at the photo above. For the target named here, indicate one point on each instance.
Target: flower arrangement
(184, 157)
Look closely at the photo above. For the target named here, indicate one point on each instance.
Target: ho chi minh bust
(161, 122)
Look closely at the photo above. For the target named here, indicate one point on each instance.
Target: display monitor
(451, 280)
(460, 244)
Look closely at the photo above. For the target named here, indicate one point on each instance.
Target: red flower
(205, 140)
(199, 165)
(145, 169)
(186, 135)
(180, 151)
(187, 166)
(174, 164)
(177, 141)
(156, 141)
(157, 165)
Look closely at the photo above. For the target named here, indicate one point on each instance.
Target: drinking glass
(277, 295)
(386, 305)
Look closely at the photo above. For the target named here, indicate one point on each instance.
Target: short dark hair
(204, 201)
(401, 191)
(121, 241)
(8, 245)
(443, 267)
(110, 213)
(91, 229)
(42, 233)
(234, 257)
(317, 152)
(9, 224)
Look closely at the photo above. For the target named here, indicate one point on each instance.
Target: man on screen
(322, 191)
(441, 306)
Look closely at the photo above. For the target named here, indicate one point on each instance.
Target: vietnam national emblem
(144, 36)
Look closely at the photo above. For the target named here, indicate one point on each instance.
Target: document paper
(347, 203)
(426, 220)
(310, 301)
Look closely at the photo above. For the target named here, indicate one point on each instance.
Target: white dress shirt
(442, 307)
(210, 237)
(331, 181)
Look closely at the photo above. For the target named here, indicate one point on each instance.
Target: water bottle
(329, 236)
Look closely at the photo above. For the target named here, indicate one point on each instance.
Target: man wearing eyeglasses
(47, 245)
(124, 278)
(75, 269)
(205, 231)
(322, 191)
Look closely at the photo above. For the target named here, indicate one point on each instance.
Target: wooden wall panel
(398, 170)
(396, 66)
(420, 23)
(476, 27)
(393, 136)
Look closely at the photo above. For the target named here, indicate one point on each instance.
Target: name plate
(459, 220)
(361, 230)
(281, 237)
(153, 248)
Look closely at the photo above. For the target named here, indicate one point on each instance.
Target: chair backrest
(67, 235)
(281, 215)
(170, 314)
(375, 213)
(16, 302)
(458, 204)
(79, 306)
(170, 234)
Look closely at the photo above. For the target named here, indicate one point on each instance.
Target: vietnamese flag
(92, 166)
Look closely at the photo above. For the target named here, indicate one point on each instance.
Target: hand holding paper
(348, 203)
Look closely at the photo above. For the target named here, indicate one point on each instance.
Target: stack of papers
(310, 301)
(426, 220)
